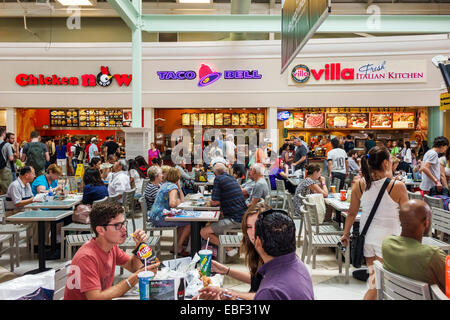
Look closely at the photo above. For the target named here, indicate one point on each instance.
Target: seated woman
(136, 176)
(155, 176)
(170, 196)
(94, 188)
(95, 163)
(313, 183)
(48, 181)
(142, 165)
(280, 171)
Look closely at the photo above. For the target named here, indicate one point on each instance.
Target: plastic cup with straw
(205, 260)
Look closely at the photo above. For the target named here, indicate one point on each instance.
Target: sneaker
(232, 252)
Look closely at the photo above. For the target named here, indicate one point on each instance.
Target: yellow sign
(445, 101)
(80, 171)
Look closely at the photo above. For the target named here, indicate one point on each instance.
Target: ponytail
(365, 169)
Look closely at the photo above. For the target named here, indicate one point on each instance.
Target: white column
(149, 123)
(11, 120)
(272, 127)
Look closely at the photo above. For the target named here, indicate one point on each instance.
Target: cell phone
(341, 246)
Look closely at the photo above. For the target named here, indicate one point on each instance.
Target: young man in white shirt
(431, 168)
(337, 163)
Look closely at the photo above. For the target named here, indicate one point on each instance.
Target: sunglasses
(118, 226)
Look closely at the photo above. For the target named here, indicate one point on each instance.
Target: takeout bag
(39, 286)
(81, 214)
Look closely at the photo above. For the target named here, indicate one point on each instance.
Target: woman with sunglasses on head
(251, 258)
(377, 175)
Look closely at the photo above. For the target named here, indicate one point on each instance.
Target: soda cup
(205, 262)
(144, 278)
(343, 195)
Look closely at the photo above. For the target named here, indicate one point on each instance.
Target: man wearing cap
(93, 149)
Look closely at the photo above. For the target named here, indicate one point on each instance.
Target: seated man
(260, 189)
(120, 181)
(91, 274)
(406, 255)
(19, 191)
(228, 195)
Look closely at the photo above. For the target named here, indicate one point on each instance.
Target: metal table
(195, 219)
(40, 216)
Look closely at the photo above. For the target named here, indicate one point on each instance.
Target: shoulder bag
(357, 240)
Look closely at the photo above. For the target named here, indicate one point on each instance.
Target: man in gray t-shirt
(431, 169)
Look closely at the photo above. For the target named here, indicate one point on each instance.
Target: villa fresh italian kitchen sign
(357, 72)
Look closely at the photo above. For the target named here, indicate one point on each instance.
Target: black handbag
(357, 241)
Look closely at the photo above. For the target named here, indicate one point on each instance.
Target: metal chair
(9, 239)
(105, 199)
(414, 196)
(281, 194)
(391, 286)
(60, 280)
(128, 202)
(76, 240)
(434, 202)
(145, 182)
(320, 229)
(148, 226)
(440, 221)
(72, 227)
(114, 198)
(16, 230)
(437, 294)
(312, 242)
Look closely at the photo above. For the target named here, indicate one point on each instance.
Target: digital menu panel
(381, 120)
(358, 120)
(299, 120)
(314, 120)
(89, 118)
(336, 120)
(404, 120)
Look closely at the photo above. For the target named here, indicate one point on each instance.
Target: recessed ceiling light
(194, 1)
(76, 2)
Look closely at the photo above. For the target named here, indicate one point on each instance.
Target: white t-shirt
(432, 157)
(407, 156)
(338, 156)
(137, 180)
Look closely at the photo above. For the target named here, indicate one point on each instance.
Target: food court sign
(358, 72)
(207, 75)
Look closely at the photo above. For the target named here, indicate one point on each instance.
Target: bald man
(406, 255)
(228, 196)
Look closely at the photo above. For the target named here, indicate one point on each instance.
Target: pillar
(11, 125)
(272, 127)
(435, 124)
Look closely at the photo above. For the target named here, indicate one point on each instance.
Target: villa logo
(300, 73)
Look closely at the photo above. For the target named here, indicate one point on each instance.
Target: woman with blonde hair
(47, 181)
(251, 259)
(165, 171)
(170, 196)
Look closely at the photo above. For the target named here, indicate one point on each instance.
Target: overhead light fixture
(77, 3)
(195, 1)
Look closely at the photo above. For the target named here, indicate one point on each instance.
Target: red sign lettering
(333, 72)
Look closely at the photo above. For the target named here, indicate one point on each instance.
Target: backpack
(36, 156)
(78, 149)
(2, 158)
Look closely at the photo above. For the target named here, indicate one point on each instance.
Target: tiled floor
(328, 283)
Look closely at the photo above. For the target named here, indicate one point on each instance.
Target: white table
(336, 203)
(195, 220)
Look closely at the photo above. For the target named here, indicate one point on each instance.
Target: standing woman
(376, 168)
(153, 152)
(61, 155)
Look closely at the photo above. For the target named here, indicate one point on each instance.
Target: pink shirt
(92, 269)
(153, 154)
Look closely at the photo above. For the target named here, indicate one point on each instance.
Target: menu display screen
(89, 118)
(336, 120)
(314, 120)
(404, 120)
(358, 120)
(381, 120)
(299, 120)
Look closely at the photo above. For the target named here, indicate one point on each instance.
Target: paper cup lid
(146, 274)
(205, 252)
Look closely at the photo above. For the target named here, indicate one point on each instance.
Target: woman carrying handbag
(380, 199)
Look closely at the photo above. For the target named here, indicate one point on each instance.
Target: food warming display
(87, 118)
(223, 119)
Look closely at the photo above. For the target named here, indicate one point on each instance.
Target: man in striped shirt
(155, 176)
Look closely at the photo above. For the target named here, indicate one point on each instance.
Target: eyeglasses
(118, 225)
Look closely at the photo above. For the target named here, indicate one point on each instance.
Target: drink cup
(205, 262)
(343, 195)
(144, 278)
(333, 189)
(202, 189)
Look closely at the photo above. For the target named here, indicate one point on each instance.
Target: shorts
(223, 225)
(163, 223)
(372, 250)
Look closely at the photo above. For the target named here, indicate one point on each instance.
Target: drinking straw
(207, 242)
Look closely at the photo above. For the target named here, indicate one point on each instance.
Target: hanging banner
(445, 101)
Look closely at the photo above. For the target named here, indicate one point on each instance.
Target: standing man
(75, 151)
(370, 143)
(35, 153)
(349, 145)
(431, 168)
(111, 146)
(302, 140)
(337, 163)
(7, 156)
(300, 155)
(70, 144)
(93, 149)
(11, 139)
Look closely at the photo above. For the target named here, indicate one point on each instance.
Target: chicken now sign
(103, 79)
